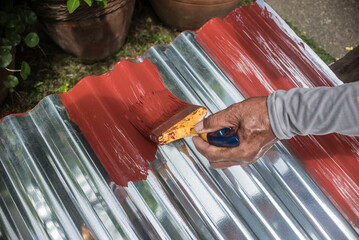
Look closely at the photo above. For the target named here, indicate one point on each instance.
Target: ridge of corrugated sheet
(54, 187)
(261, 54)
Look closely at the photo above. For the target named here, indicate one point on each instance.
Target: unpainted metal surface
(54, 187)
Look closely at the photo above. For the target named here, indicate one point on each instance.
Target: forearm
(316, 111)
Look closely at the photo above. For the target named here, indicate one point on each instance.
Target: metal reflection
(52, 186)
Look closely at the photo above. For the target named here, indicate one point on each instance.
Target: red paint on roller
(255, 51)
(98, 105)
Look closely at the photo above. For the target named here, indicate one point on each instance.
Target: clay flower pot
(191, 14)
(90, 33)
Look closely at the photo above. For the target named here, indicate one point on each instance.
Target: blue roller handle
(225, 137)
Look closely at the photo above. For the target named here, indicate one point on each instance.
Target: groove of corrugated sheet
(54, 187)
(253, 48)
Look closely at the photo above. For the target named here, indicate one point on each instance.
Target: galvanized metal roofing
(54, 187)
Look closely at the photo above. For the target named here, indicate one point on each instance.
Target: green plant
(72, 5)
(322, 53)
(15, 22)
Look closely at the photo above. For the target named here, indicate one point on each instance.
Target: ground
(54, 71)
(334, 24)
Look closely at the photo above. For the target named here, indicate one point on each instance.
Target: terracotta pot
(90, 33)
(3, 74)
(191, 14)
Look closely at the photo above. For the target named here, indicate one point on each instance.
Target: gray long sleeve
(315, 111)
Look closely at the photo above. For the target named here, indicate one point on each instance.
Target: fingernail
(199, 126)
(202, 118)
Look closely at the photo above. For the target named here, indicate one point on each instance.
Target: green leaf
(64, 88)
(20, 28)
(13, 36)
(30, 17)
(18, 11)
(102, 3)
(25, 70)
(3, 17)
(5, 43)
(72, 5)
(38, 84)
(89, 2)
(5, 57)
(32, 39)
(13, 20)
(11, 81)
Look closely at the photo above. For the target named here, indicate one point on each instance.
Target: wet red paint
(255, 51)
(153, 109)
(15, 114)
(98, 105)
(259, 57)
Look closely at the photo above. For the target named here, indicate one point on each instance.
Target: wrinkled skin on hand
(251, 122)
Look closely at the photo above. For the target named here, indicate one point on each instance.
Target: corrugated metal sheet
(258, 51)
(54, 187)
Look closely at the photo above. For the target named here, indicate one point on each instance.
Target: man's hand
(251, 122)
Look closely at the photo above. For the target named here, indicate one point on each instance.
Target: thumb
(212, 123)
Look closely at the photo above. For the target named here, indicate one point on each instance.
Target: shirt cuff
(275, 106)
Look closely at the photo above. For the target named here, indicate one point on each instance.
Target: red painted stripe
(100, 106)
(258, 55)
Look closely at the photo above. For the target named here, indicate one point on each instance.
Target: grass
(324, 55)
(54, 71)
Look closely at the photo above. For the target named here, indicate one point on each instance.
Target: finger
(213, 122)
(206, 149)
(211, 152)
(201, 145)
